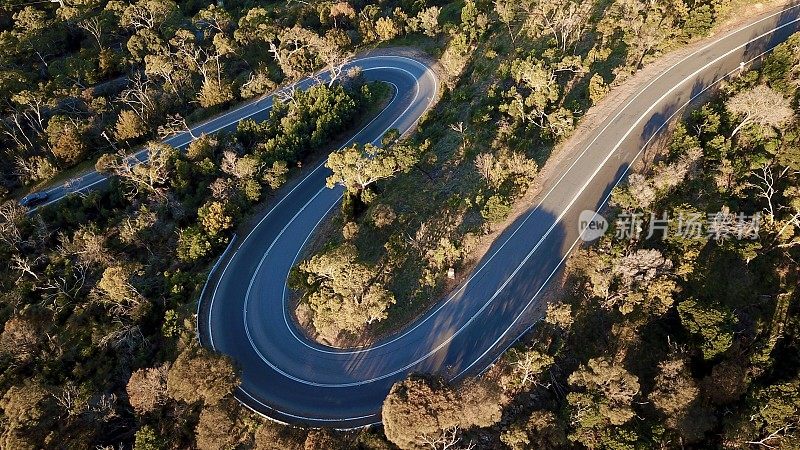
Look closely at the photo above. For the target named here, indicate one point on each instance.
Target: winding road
(291, 379)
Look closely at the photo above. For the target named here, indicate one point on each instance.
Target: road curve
(292, 379)
(389, 67)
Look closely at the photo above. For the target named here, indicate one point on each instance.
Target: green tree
(674, 392)
(219, 427)
(146, 438)
(193, 244)
(214, 218)
(496, 209)
(525, 367)
(129, 126)
(429, 20)
(605, 400)
(200, 375)
(67, 139)
(713, 327)
(357, 166)
(29, 412)
(120, 293)
(343, 293)
(419, 409)
(386, 28)
(541, 430)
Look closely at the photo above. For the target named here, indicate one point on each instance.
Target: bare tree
(26, 122)
(761, 106)
(94, 28)
(507, 11)
(11, 215)
(565, 20)
(775, 438)
(449, 439)
(765, 186)
(175, 124)
(67, 284)
(137, 97)
(151, 175)
(125, 337)
(24, 265)
(68, 398)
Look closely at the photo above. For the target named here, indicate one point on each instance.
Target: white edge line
(547, 233)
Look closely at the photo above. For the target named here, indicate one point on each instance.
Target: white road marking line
(196, 128)
(583, 188)
(529, 214)
(602, 204)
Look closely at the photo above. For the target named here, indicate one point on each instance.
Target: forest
(669, 340)
(655, 343)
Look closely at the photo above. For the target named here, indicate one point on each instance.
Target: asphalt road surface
(292, 379)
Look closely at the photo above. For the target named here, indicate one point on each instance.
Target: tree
(429, 20)
(760, 105)
(607, 393)
(120, 293)
(675, 390)
(386, 28)
(219, 427)
(773, 412)
(507, 12)
(565, 20)
(151, 176)
(640, 282)
(214, 218)
(343, 294)
(194, 244)
(29, 413)
(13, 219)
(129, 126)
(534, 99)
(418, 410)
(272, 436)
(383, 215)
(507, 166)
(713, 326)
(326, 439)
(147, 389)
(146, 438)
(597, 88)
(526, 366)
(200, 375)
(294, 53)
(341, 9)
(541, 431)
(559, 315)
(148, 14)
(139, 97)
(256, 28)
(357, 166)
(21, 338)
(208, 62)
(67, 141)
(496, 209)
